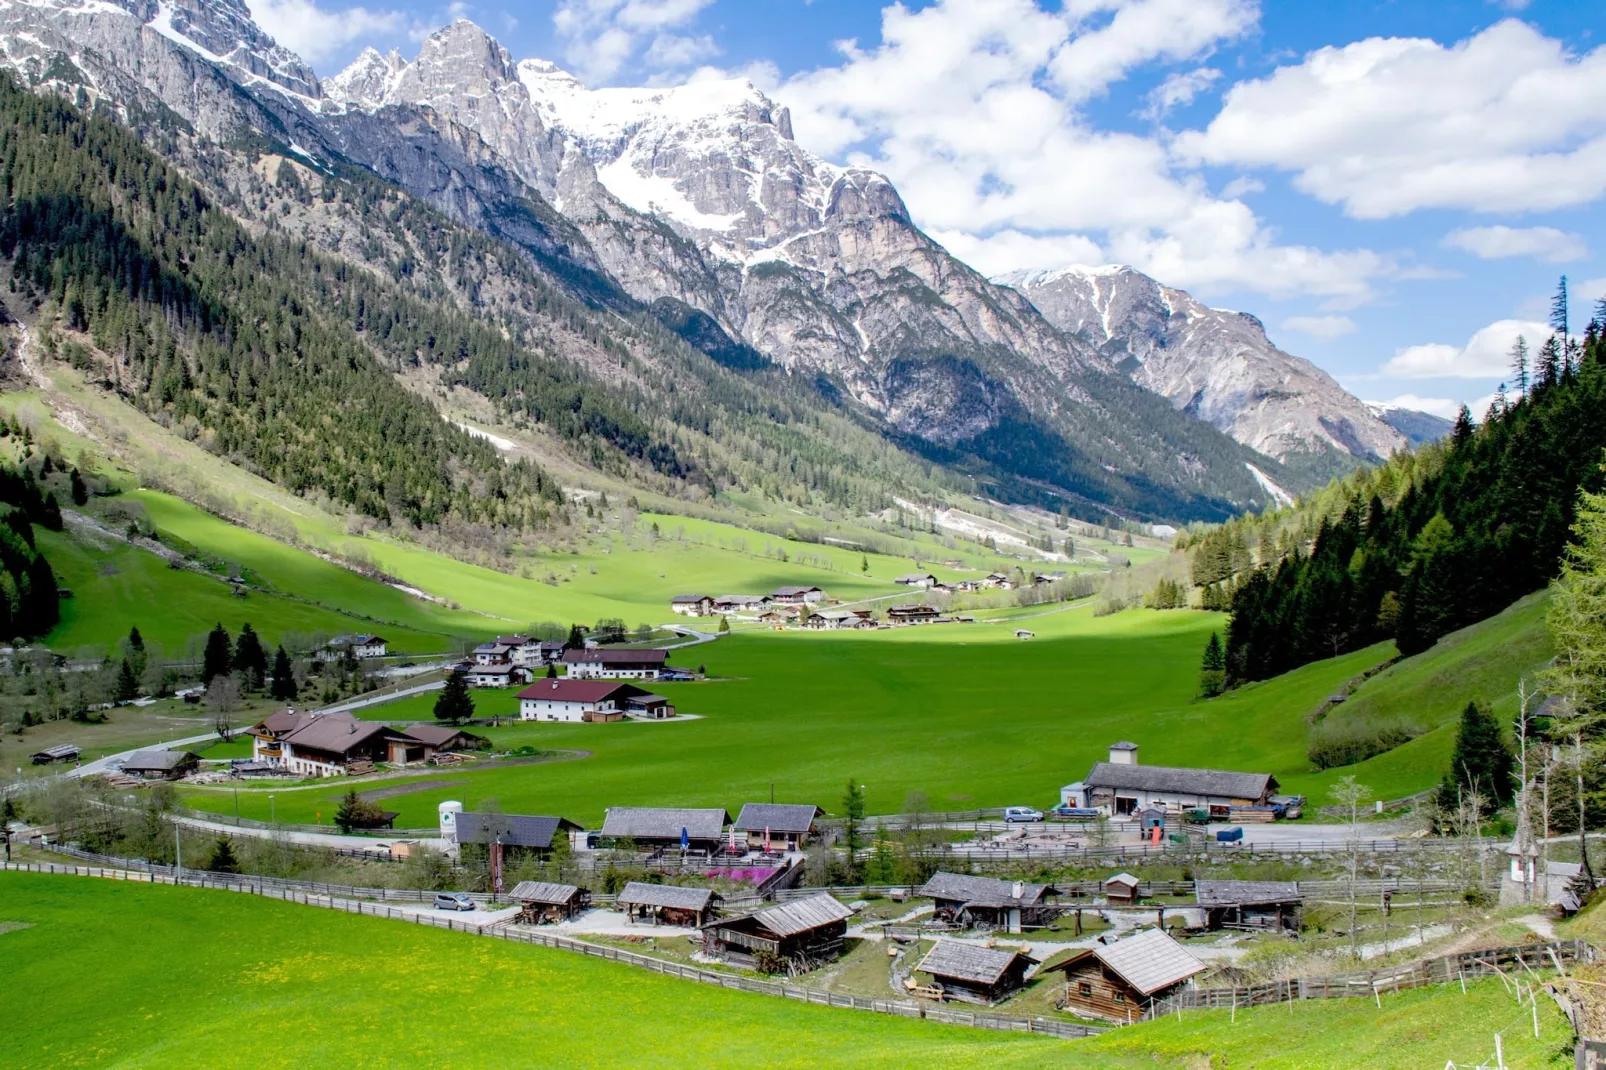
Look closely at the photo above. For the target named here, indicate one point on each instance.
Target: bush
(1348, 744)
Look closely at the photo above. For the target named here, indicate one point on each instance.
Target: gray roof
(544, 892)
(514, 830)
(1121, 878)
(1150, 961)
(1179, 780)
(164, 760)
(666, 895)
(1246, 893)
(787, 592)
(800, 916)
(663, 823)
(981, 891)
(605, 656)
(777, 817)
(689, 598)
(60, 750)
(969, 962)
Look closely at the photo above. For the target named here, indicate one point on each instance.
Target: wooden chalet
(1121, 888)
(521, 835)
(332, 744)
(777, 826)
(912, 614)
(1118, 981)
(692, 605)
(796, 596)
(422, 742)
(61, 752)
(973, 973)
(986, 902)
(666, 827)
(543, 903)
(1123, 787)
(798, 936)
(161, 764)
(1250, 904)
(667, 904)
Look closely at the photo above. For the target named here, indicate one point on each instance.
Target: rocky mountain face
(1213, 363)
(695, 203)
(1418, 427)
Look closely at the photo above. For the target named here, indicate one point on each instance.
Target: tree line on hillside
(29, 599)
(1431, 541)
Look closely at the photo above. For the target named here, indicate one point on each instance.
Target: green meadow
(967, 714)
(139, 975)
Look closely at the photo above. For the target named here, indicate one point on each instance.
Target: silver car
(453, 901)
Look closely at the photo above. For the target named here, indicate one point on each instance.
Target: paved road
(375, 700)
(112, 762)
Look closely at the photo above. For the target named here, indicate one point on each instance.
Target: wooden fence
(899, 1008)
(1368, 984)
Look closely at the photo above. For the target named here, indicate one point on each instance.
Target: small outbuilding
(987, 902)
(667, 904)
(541, 902)
(161, 764)
(666, 827)
(521, 835)
(777, 826)
(973, 973)
(795, 936)
(1121, 980)
(1121, 888)
(1250, 904)
(421, 742)
(61, 752)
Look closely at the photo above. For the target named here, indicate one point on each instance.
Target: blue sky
(1392, 187)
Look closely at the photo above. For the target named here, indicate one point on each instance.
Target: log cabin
(1118, 981)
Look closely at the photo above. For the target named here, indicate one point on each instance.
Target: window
(1120, 998)
(1084, 990)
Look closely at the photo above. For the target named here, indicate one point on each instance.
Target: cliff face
(1214, 363)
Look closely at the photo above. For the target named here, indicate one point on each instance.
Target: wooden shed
(61, 752)
(973, 973)
(667, 904)
(988, 901)
(799, 935)
(1121, 888)
(1118, 981)
(543, 902)
(777, 826)
(1250, 904)
(161, 764)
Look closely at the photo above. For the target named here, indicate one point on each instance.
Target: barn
(987, 902)
(1118, 981)
(796, 936)
(541, 902)
(973, 973)
(667, 904)
(1250, 904)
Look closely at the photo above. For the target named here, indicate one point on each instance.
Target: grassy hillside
(150, 976)
(965, 713)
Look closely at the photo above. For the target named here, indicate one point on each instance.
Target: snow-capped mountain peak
(367, 81)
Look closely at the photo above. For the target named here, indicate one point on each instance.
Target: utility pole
(178, 856)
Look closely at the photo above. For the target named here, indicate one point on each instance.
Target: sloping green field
(103, 973)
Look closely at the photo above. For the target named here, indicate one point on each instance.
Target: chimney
(1018, 890)
(1123, 753)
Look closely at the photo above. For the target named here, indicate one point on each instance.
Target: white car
(1022, 813)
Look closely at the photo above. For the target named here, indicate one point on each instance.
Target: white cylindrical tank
(448, 812)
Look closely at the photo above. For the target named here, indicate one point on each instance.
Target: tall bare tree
(1351, 796)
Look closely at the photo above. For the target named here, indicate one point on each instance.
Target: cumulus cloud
(1325, 327)
(1486, 355)
(1179, 90)
(1508, 120)
(314, 33)
(1542, 243)
(973, 107)
(601, 36)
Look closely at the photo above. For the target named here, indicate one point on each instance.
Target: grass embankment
(965, 713)
(144, 975)
(140, 975)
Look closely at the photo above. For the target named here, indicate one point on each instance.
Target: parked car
(1066, 812)
(453, 901)
(1022, 813)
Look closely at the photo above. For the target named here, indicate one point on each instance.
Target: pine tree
(135, 640)
(1213, 667)
(284, 687)
(51, 515)
(1463, 427)
(1558, 309)
(250, 660)
(1480, 759)
(454, 704)
(223, 859)
(127, 683)
(576, 640)
(864, 563)
(80, 493)
(218, 658)
(1547, 366)
(1519, 364)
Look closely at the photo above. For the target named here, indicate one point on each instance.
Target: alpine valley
(663, 285)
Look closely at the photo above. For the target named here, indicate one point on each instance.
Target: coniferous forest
(1433, 540)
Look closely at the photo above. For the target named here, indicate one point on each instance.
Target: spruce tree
(127, 683)
(250, 660)
(284, 687)
(1519, 364)
(80, 493)
(223, 859)
(218, 657)
(1559, 309)
(1213, 667)
(454, 704)
(1481, 760)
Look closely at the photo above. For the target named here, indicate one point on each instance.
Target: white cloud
(972, 108)
(315, 34)
(1179, 90)
(1486, 355)
(1542, 243)
(1508, 120)
(600, 36)
(1326, 327)
(1242, 186)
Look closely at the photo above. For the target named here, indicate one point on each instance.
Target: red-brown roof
(334, 733)
(567, 690)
